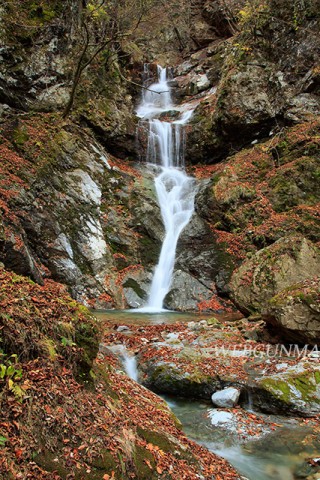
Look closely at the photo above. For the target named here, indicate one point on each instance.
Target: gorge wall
(79, 216)
(78, 207)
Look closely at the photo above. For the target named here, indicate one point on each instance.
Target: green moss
(279, 388)
(165, 444)
(149, 250)
(157, 438)
(46, 460)
(140, 457)
(308, 299)
(105, 462)
(50, 347)
(20, 136)
(213, 321)
(86, 337)
(102, 375)
(291, 388)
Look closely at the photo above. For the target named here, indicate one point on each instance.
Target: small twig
(140, 86)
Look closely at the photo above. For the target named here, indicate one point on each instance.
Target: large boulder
(295, 311)
(165, 377)
(136, 286)
(297, 389)
(288, 261)
(186, 292)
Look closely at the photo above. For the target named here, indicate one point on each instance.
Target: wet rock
(186, 292)
(297, 389)
(199, 253)
(16, 256)
(136, 286)
(226, 398)
(123, 328)
(218, 417)
(164, 377)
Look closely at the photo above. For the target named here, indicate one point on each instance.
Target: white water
(175, 190)
(130, 365)
(127, 359)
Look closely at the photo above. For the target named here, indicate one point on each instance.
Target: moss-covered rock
(297, 389)
(283, 264)
(168, 378)
(72, 332)
(295, 312)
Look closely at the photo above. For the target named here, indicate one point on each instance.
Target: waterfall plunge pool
(145, 316)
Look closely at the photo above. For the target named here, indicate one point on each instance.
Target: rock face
(273, 269)
(295, 311)
(74, 213)
(258, 86)
(186, 292)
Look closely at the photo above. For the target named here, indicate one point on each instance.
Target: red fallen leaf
(18, 453)
(36, 300)
(159, 470)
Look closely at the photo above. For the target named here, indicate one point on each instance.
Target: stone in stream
(217, 417)
(226, 398)
(297, 389)
(123, 328)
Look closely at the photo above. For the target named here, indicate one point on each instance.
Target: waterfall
(175, 190)
(130, 366)
(127, 359)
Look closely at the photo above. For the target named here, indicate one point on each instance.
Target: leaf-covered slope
(65, 413)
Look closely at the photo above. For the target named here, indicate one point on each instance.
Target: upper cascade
(166, 139)
(175, 190)
(156, 98)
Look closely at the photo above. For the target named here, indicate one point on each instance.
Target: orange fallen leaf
(148, 463)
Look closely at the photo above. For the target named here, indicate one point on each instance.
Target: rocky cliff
(74, 212)
(78, 208)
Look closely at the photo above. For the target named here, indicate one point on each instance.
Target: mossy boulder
(162, 377)
(288, 261)
(297, 390)
(295, 312)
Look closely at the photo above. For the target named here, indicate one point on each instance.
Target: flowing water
(278, 456)
(175, 190)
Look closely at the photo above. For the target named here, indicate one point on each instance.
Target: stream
(279, 455)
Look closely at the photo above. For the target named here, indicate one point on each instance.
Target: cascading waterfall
(175, 190)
